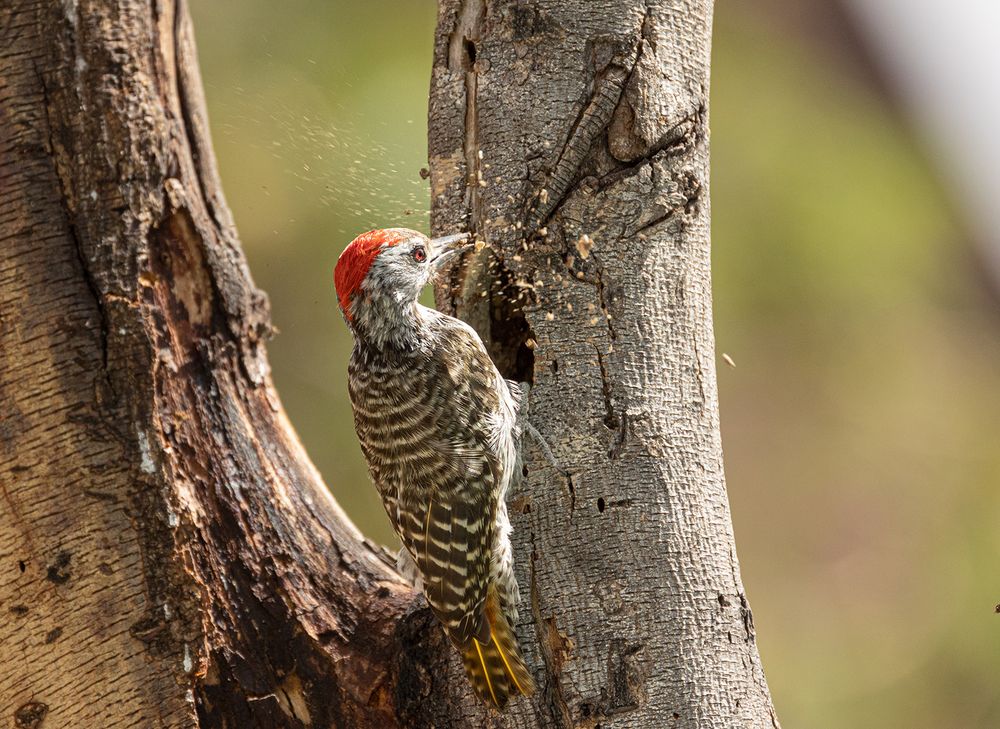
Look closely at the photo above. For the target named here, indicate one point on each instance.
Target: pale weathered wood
(581, 128)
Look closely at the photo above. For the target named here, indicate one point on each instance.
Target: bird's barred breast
(419, 425)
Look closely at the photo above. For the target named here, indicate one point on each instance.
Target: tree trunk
(168, 555)
(573, 138)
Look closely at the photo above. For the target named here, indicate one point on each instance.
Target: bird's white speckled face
(400, 271)
(404, 269)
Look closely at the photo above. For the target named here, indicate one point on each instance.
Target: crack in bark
(699, 374)
(572, 495)
(509, 331)
(689, 191)
(599, 273)
(625, 691)
(625, 678)
(612, 420)
(559, 713)
(683, 137)
(74, 233)
(747, 616)
(597, 282)
(462, 53)
(593, 119)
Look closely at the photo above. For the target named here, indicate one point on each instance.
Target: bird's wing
(429, 429)
(450, 515)
(450, 541)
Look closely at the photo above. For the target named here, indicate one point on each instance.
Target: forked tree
(169, 556)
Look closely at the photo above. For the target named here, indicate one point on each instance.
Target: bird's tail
(496, 668)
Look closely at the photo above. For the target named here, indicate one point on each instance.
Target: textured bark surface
(573, 138)
(168, 555)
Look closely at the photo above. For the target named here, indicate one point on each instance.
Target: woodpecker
(439, 428)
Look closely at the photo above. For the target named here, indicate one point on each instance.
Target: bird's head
(385, 270)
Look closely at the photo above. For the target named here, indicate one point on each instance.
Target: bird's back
(437, 427)
(416, 409)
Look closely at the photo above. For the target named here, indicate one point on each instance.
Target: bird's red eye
(419, 254)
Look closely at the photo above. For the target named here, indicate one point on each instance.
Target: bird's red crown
(354, 262)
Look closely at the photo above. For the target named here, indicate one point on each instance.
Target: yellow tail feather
(496, 668)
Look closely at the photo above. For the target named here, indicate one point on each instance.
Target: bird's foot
(528, 428)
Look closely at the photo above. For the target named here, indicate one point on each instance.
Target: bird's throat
(387, 325)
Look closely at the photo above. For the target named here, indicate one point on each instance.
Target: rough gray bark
(573, 138)
(168, 555)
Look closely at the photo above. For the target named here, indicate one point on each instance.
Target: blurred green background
(860, 425)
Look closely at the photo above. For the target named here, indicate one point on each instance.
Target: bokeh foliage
(860, 425)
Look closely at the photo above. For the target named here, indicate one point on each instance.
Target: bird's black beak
(447, 247)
